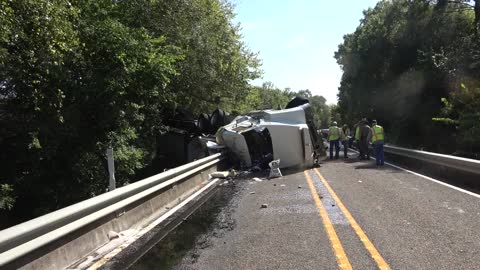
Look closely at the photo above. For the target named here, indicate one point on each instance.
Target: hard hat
(374, 121)
(334, 123)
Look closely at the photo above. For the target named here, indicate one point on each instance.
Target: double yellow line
(340, 254)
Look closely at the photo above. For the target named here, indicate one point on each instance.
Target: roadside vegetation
(79, 76)
(415, 67)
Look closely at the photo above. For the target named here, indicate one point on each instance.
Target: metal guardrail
(458, 163)
(26, 237)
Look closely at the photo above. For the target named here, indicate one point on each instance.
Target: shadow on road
(356, 160)
(366, 166)
(353, 160)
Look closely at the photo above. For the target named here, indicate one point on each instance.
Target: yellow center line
(342, 258)
(382, 264)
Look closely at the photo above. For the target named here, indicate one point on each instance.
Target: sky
(296, 40)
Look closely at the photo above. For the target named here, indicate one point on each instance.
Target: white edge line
(435, 180)
(428, 178)
(146, 229)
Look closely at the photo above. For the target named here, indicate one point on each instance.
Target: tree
(461, 112)
(321, 111)
(304, 93)
(216, 63)
(401, 60)
(79, 76)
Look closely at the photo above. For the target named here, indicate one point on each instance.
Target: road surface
(346, 215)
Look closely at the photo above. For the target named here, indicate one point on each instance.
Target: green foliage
(462, 112)
(403, 58)
(262, 97)
(79, 76)
(6, 197)
(216, 65)
(322, 112)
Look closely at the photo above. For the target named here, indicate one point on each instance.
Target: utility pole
(111, 169)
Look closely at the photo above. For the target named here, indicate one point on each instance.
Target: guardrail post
(111, 169)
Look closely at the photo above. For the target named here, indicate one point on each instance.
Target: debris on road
(264, 205)
(256, 179)
(299, 186)
(243, 173)
(116, 240)
(359, 181)
(223, 174)
(219, 174)
(112, 235)
(275, 169)
(252, 192)
(282, 185)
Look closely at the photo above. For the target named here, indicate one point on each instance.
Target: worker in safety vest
(362, 135)
(334, 136)
(378, 138)
(345, 140)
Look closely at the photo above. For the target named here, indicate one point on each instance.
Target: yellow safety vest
(333, 133)
(377, 133)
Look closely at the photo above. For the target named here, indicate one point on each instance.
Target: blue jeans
(379, 153)
(335, 143)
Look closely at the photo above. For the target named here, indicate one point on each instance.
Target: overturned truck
(261, 136)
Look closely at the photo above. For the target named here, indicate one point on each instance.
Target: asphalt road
(347, 215)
